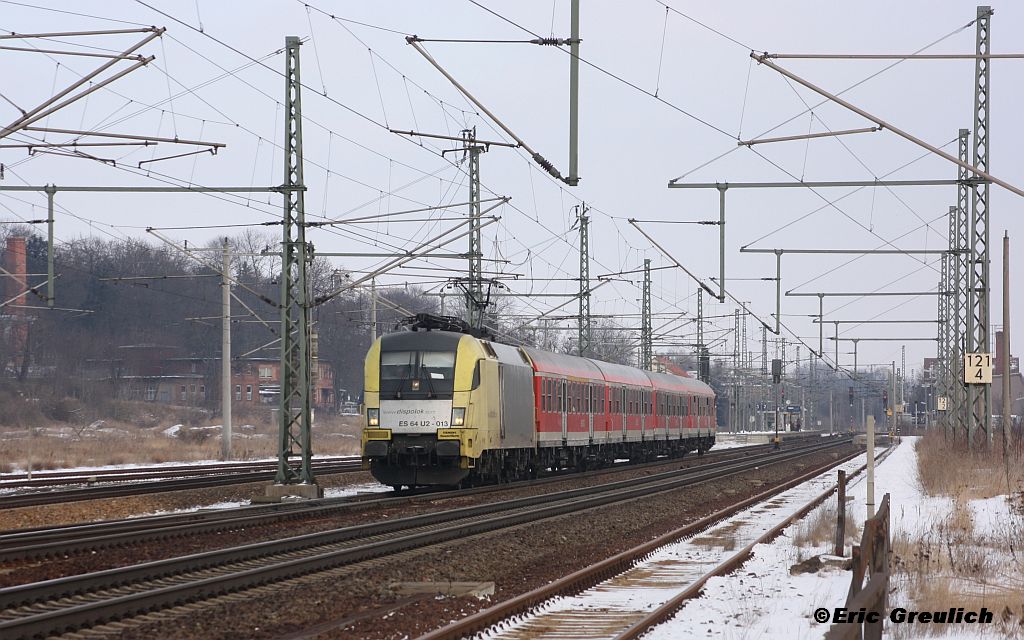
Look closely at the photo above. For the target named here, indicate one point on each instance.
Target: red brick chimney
(14, 263)
(14, 290)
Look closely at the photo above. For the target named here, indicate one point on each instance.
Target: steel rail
(115, 491)
(33, 618)
(668, 609)
(589, 576)
(63, 541)
(57, 476)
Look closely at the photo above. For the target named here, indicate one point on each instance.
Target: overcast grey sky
(223, 84)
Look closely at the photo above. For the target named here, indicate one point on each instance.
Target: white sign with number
(415, 416)
(978, 368)
(942, 403)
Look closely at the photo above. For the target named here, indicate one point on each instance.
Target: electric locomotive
(446, 407)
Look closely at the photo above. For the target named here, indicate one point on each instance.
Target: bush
(64, 410)
(194, 436)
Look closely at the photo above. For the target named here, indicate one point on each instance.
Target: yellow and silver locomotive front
(417, 394)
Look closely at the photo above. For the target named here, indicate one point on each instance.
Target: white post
(831, 412)
(225, 352)
(871, 467)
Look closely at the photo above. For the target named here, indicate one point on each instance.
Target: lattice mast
(294, 454)
(585, 337)
(979, 396)
(475, 302)
(646, 333)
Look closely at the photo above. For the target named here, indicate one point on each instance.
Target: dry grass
(946, 468)
(953, 562)
(819, 528)
(48, 444)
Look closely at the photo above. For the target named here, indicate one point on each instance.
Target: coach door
(622, 410)
(563, 405)
(591, 403)
(643, 414)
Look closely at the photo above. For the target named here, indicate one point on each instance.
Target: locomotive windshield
(417, 374)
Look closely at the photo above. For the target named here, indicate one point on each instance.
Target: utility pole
(475, 289)
(745, 363)
(574, 92)
(225, 351)
(585, 338)
(1005, 355)
(892, 394)
(764, 372)
(831, 411)
(721, 241)
(646, 337)
(294, 455)
(734, 409)
(903, 376)
(51, 191)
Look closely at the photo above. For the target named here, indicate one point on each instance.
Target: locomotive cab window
(417, 373)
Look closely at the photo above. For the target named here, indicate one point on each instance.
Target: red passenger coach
(603, 411)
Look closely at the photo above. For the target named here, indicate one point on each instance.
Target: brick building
(157, 373)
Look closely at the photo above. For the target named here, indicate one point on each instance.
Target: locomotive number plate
(415, 416)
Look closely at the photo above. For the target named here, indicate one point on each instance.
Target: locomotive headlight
(373, 417)
(458, 416)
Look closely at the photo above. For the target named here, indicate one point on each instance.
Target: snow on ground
(610, 607)
(330, 492)
(762, 599)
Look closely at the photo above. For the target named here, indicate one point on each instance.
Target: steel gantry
(960, 257)
(945, 307)
(585, 338)
(475, 302)
(979, 396)
(646, 333)
(294, 453)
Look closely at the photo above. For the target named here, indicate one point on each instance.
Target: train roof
(420, 341)
(678, 384)
(562, 364)
(568, 365)
(621, 374)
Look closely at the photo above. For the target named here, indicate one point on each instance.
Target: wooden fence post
(841, 514)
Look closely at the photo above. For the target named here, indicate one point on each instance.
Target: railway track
(129, 482)
(81, 601)
(66, 540)
(53, 477)
(593, 602)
